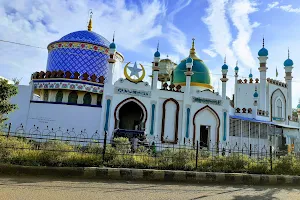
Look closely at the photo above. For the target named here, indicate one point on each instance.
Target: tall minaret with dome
(262, 57)
(288, 67)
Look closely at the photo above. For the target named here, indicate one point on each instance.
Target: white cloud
(210, 52)
(272, 5)
(286, 8)
(219, 29)
(289, 8)
(39, 22)
(239, 13)
(175, 36)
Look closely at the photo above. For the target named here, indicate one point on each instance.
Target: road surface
(16, 188)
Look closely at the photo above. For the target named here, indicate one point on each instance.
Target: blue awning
(251, 119)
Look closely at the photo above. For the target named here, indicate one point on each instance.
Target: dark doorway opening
(204, 131)
(130, 116)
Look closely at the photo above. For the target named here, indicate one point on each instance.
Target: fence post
(250, 150)
(8, 131)
(104, 147)
(197, 154)
(271, 158)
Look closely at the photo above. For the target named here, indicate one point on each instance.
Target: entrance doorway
(204, 136)
(131, 116)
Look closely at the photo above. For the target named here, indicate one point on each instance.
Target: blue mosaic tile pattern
(78, 60)
(85, 36)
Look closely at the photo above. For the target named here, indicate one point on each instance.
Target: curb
(149, 175)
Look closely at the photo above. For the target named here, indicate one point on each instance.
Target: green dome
(201, 76)
(298, 106)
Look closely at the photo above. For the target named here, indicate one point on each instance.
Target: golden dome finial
(90, 22)
(192, 50)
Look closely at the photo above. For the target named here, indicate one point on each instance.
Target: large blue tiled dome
(85, 36)
(80, 51)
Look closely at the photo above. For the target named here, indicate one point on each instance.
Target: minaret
(262, 57)
(224, 79)
(236, 70)
(155, 68)
(250, 76)
(288, 66)
(188, 74)
(111, 60)
(255, 97)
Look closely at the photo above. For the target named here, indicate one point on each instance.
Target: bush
(122, 145)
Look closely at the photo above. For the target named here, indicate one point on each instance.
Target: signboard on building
(207, 101)
(132, 92)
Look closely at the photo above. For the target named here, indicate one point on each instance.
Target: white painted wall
(64, 116)
(22, 99)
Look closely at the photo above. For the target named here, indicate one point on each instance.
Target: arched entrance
(206, 126)
(130, 114)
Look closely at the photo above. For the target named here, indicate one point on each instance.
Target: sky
(234, 28)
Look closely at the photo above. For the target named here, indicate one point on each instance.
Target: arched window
(279, 108)
(46, 95)
(87, 99)
(99, 99)
(73, 97)
(59, 96)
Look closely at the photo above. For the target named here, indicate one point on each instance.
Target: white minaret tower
(155, 68)
(262, 57)
(224, 79)
(255, 98)
(111, 62)
(236, 70)
(288, 67)
(188, 74)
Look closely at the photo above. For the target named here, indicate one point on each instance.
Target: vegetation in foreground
(20, 151)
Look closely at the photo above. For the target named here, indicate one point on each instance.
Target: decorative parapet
(67, 75)
(263, 113)
(245, 81)
(275, 82)
(68, 81)
(171, 87)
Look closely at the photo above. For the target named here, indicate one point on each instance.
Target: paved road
(44, 189)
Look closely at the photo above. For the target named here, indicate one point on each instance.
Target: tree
(6, 92)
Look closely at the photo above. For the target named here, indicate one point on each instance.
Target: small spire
(237, 62)
(113, 37)
(250, 70)
(263, 41)
(90, 22)
(225, 59)
(193, 43)
(157, 45)
(192, 50)
(288, 52)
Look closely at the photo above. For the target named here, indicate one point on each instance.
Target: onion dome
(236, 68)
(225, 66)
(81, 51)
(263, 51)
(250, 75)
(201, 77)
(298, 106)
(255, 94)
(112, 46)
(288, 62)
(157, 54)
(189, 60)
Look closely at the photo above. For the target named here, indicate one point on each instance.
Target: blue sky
(221, 27)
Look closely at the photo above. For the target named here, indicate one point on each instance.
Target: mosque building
(77, 92)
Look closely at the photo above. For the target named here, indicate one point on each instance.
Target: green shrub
(259, 167)
(54, 152)
(76, 159)
(122, 145)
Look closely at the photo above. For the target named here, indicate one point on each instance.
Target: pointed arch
(130, 99)
(215, 114)
(176, 121)
(278, 90)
